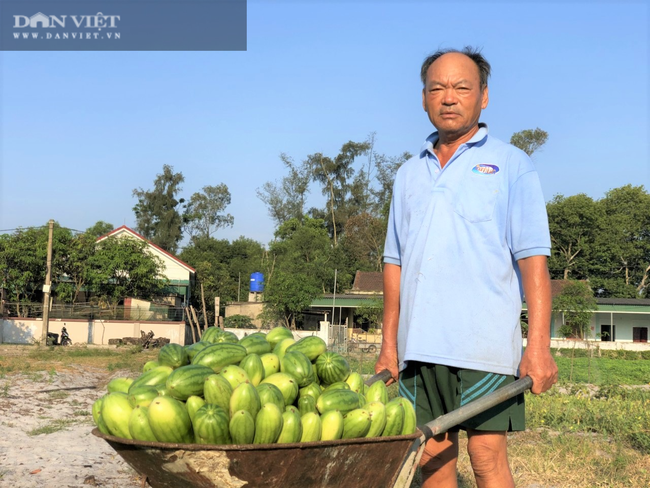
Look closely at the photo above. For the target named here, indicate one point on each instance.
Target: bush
(239, 322)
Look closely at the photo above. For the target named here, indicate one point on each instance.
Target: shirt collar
(433, 138)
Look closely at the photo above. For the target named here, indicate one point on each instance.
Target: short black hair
(473, 53)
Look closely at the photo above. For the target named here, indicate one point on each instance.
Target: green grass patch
(54, 426)
(620, 413)
(603, 371)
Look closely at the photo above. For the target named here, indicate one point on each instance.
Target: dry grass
(36, 359)
(545, 459)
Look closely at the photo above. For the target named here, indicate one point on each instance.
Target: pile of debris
(146, 341)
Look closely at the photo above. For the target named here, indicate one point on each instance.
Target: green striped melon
(217, 390)
(153, 377)
(269, 393)
(170, 421)
(331, 426)
(142, 395)
(310, 346)
(115, 411)
(150, 365)
(278, 334)
(254, 368)
(282, 346)
(356, 423)
(291, 428)
(332, 368)
(255, 344)
(173, 355)
(245, 397)
(212, 425)
(268, 424)
(311, 427)
(377, 411)
(287, 384)
(299, 366)
(342, 400)
(218, 356)
(394, 418)
(193, 404)
(355, 381)
(235, 375)
(193, 349)
(139, 427)
(271, 363)
(187, 381)
(242, 427)
(377, 392)
(119, 384)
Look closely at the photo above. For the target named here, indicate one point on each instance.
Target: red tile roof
(368, 282)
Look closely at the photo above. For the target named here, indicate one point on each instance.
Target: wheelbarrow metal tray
(354, 463)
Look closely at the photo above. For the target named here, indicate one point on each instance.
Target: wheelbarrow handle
(382, 376)
(445, 422)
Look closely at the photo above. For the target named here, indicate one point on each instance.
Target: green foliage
(529, 140)
(617, 369)
(157, 212)
(576, 302)
(372, 313)
(239, 322)
(205, 211)
(122, 267)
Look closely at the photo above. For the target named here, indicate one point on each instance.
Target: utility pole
(47, 285)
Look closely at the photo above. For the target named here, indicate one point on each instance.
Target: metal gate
(338, 336)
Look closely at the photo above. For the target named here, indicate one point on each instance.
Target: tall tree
(576, 301)
(529, 141)
(205, 212)
(364, 241)
(286, 199)
(298, 269)
(158, 212)
(574, 223)
(624, 242)
(99, 228)
(335, 177)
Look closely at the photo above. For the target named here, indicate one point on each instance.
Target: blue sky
(81, 130)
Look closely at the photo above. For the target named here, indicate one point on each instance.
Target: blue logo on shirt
(485, 169)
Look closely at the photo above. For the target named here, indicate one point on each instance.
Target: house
(619, 320)
(181, 276)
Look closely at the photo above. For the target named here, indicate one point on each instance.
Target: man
(467, 232)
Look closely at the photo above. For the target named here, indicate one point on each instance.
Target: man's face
(453, 97)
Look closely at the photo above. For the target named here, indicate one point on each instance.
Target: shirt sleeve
(392, 250)
(527, 233)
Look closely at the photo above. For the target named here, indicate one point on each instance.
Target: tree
(298, 268)
(624, 242)
(529, 141)
(157, 212)
(76, 271)
(371, 313)
(204, 214)
(122, 268)
(574, 223)
(364, 240)
(23, 262)
(335, 177)
(99, 229)
(577, 303)
(286, 200)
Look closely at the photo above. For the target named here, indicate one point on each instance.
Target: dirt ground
(46, 439)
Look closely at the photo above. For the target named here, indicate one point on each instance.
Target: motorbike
(53, 339)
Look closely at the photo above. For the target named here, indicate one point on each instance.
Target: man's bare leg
(488, 454)
(438, 461)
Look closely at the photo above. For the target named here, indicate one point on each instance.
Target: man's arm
(388, 356)
(537, 361)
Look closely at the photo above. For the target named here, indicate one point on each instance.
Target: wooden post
(196, 320)
(217, 303)
(47, 286)
(189, 319)
(205, 317)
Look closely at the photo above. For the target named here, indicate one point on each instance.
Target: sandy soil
(68, 457)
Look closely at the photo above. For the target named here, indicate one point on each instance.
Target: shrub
(239, 322)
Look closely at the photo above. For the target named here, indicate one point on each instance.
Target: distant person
(467, 232)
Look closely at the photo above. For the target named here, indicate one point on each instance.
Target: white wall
(27, 331)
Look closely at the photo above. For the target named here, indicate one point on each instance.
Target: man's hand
(538, 363)
(388, 360)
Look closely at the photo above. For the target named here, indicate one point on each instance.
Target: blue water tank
(257, 282)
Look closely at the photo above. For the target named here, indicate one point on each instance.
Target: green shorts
(436, 390)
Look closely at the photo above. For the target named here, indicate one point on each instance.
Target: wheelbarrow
(382, 462)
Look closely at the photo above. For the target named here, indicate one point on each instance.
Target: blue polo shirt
(457, 233)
